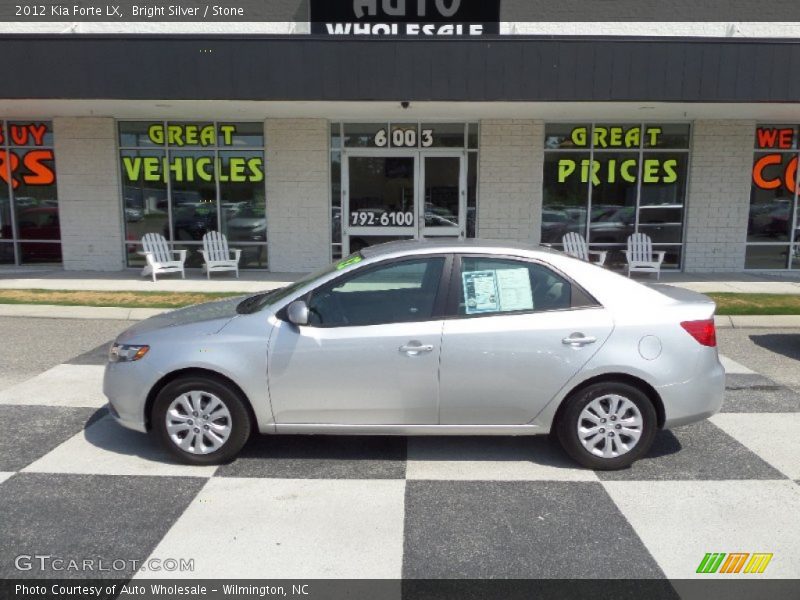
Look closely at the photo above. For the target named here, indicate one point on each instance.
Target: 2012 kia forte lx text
(419, 338)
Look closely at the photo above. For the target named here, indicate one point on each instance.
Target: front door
(404, 194)
(370, 353)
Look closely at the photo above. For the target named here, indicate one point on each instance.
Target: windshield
(255, 303)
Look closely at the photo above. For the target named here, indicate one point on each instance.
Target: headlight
(126, 353)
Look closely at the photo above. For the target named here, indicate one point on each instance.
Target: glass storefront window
(184, 179)
(28, 198)
(773, 229)
(609, 180)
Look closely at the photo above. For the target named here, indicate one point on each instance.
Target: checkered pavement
(74, 484)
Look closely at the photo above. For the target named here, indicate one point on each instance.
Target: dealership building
(302, 144)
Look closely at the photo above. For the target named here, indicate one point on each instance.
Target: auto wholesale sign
(411, 18)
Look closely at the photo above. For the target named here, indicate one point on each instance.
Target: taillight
(703, 331)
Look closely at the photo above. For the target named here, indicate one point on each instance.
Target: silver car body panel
(503, 374)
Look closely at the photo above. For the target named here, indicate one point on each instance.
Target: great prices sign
(776, 169)
(23, 160)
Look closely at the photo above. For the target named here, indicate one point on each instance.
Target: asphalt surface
(30, 346)
(770, 352)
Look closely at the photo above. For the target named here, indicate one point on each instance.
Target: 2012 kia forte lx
(427, 338)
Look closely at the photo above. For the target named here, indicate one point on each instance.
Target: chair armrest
(181, 254)
(237, 254)
(149, 257)
(660, 256)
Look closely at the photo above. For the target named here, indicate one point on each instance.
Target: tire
(602, 451)
(222, 433)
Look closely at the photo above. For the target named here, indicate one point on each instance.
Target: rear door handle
(413, 348)
(578, 339)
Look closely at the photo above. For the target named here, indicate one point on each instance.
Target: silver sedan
(427, 338)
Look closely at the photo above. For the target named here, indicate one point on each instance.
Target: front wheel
(607, 426)
(200, 420)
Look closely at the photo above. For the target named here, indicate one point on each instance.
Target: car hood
(211, 317)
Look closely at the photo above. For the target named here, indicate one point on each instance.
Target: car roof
(452, 245)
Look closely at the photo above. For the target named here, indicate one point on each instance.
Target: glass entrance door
(402, 196)
(379, 200)
(443, 195)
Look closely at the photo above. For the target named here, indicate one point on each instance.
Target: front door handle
(414, 348)
(578, 339)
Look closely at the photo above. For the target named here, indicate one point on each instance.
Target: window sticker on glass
(514, 289)
(348, 262)
(480, 291)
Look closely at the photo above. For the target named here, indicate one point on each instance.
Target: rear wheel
(200, 420)
(607, 425)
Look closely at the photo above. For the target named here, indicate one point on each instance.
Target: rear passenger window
(492, 286)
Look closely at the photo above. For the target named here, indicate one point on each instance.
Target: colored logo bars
(716, 562)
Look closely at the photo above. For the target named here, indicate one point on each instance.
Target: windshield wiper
(252, 303)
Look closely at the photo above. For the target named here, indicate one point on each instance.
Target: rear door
(516, 332)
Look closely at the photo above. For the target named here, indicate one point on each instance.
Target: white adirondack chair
(159, 257)
(640, 255)
(575, 245)
(217, 256)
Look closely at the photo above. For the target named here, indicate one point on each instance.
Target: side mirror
(297, 312)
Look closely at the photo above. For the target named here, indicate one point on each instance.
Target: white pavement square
(63, 385)
(291, 529)
(734, 368)
(680, 521)
(773, 436)
(491, 459)
(106, 448)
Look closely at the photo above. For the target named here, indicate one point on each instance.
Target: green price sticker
(346, 263)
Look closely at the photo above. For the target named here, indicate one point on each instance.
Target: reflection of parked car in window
(247, 226)
(770, 219)
(611, 225)
(555, 223)
(192, 221)
(39, 223)
(133, 215)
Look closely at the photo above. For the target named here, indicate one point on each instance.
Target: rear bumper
(695, 399)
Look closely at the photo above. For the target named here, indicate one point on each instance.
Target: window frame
(439, 303)
(454, 288)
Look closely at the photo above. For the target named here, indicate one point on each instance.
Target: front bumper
(696, 399)
(126, 385)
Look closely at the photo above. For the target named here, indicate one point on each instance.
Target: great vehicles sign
(405, 17)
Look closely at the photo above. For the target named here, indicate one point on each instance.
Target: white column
(718, 203)
(298, 194)
(510, 179)
(89, 197)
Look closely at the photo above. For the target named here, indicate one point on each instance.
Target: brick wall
(298, 204)
(510, 179)
(719, 195)
(88, 194)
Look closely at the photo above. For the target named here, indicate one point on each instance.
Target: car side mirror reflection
(297, 312)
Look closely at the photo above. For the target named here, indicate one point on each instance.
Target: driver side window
(398, 292)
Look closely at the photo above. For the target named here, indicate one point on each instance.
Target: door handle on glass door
(413, 348)
(578, 339)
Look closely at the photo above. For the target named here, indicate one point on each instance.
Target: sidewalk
(256, 281)
(250, 282)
